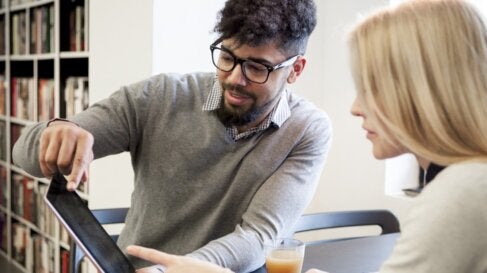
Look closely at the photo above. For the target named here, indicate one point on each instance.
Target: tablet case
(85, 230)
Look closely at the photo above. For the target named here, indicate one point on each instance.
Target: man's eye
(255, 68)
(226, 58)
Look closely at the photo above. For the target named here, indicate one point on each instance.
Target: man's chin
(229, 117)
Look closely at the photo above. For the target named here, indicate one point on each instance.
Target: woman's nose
(356, 110)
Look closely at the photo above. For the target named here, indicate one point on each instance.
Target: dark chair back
(105, 217)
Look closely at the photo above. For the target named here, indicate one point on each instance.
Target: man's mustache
(239, 89)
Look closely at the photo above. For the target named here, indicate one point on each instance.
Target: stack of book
(2, 95)
(2, 34)
(3, 232)
(22, 97)
(35, 253)
(23, 197)
(45, 217)
(42, 30)
(76, 95)
(19, 34)
(43, 252)
(78, 29)
(45, 99)
(3, 187)
(3, 141)
(20, 243)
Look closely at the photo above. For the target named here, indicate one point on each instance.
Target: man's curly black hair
(288, 23)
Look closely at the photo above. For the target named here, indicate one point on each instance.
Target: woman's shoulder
(464, 182)
(467, 174)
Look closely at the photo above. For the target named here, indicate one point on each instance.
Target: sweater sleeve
(445, 229)
(25, 152)
(276, 206)
(113, 122)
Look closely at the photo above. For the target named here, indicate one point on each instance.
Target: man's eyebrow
(257, 60)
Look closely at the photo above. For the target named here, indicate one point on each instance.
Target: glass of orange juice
(284, 255)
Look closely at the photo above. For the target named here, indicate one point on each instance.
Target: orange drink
(284, 261)
(284, 256)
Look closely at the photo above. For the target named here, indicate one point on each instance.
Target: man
(222, 162)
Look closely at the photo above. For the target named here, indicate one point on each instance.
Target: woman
(421, 77)
(420, 71)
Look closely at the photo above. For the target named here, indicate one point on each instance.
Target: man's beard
(235, 116)
(239, 118)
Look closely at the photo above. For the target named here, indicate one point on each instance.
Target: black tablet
(87, 232)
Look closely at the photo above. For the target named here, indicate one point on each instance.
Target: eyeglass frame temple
(240, 61)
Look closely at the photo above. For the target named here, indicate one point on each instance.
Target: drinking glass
(284, 255)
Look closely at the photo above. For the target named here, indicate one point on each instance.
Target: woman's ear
(297, 68)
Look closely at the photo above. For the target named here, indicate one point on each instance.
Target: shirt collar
(277, 116)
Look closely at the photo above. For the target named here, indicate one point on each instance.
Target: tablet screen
(88, 233)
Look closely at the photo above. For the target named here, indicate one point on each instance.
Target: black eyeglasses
(253, 71)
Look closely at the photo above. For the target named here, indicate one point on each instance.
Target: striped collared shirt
(279, 114)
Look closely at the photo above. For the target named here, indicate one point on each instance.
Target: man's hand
(173, 263)
(67, 148)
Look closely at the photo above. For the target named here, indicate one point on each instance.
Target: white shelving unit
(43, 43)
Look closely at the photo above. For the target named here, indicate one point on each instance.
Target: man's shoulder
(307, 122)
(305, 111)
(196, 79)
(164, 85)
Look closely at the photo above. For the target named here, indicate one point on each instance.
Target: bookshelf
(44, 62)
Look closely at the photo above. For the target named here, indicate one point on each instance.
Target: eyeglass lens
(253, 71)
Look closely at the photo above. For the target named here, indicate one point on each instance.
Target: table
(358, 255)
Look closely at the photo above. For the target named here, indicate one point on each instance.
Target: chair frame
(337, 219)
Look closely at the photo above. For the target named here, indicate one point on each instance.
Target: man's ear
(297, 68)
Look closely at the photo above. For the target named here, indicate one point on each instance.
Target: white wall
(352, 178)
(120, 54)
(183, 34)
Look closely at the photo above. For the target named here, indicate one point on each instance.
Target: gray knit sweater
(197, 191)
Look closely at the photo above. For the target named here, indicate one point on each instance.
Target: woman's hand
(315, 271)
(173, 263)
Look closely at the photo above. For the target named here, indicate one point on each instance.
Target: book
(3, 140)
(22, 98)
(3, 187)
(77, 29)
(45, 99)
(2, 94)
(45, 219)
(3, 232)
(2, 34)
(64, 261)
(28, 206)
(64, 235)
(76, 95)
(42, 30)
(19, 242)
(41, 254)
(19, 34)
(17, 194)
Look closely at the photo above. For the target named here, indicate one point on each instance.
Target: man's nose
(236, 76)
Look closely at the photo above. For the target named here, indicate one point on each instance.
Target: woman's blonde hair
(422, 68)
